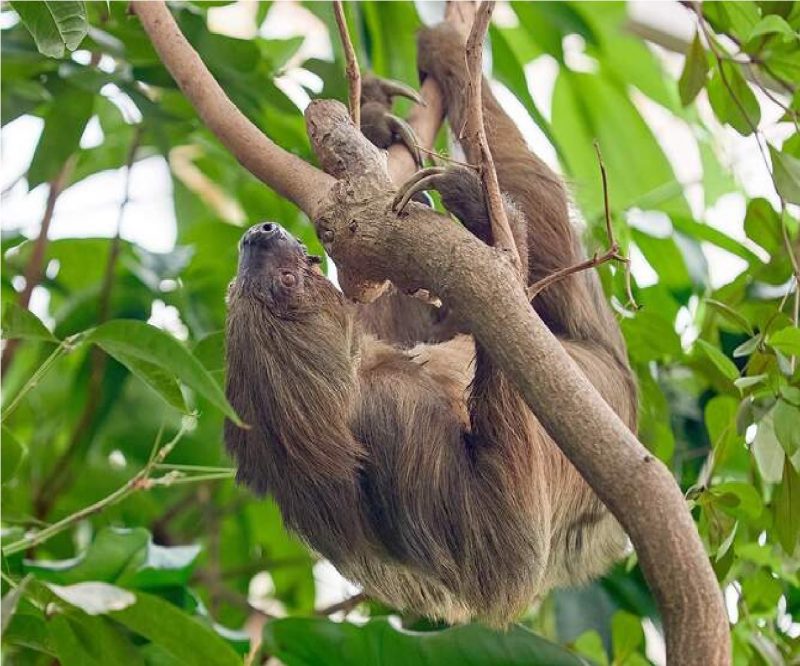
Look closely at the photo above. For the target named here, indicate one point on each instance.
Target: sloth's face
(275, 268)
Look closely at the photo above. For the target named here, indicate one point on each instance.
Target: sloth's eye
(288, 279)
(313, 259)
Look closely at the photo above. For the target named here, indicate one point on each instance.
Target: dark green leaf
(308, 642)
(152, 345)
(20, 323)
(64, 123)
(695, 71)
(763, 225)
(82, 640)
(787, 509)
(54, 24)
(158, 379)
(732, 316)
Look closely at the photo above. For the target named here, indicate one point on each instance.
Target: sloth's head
(276, 271)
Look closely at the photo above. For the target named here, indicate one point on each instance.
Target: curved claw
(406, 135)
(394, 88)
(424, 179)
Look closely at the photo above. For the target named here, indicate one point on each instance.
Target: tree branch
(474, 140)
(287, 174)
(35, 269)
(353, 72)
(450, 262)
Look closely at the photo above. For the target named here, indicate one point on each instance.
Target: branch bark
(475, 142)
(353, 72)
(446, 259)
(287, 174)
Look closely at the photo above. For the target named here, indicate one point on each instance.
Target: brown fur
(420, 472)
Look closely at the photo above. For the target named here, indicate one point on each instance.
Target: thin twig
(475, 135)
(35, 268)
(346, 605)
(353, 72)
(446, 158)
(140, 481)
(59, 477)
(613, 252)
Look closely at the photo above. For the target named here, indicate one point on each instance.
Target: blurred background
(121, 215)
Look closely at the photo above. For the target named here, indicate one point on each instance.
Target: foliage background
(180, 565)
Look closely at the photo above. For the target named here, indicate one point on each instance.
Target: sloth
(389, 439)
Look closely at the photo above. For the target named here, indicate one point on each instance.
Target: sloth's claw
(424, 179)
(399, 89)
(402, 130)
(375, 89)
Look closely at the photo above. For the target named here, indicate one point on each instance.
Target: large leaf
(189, 640)
(786, 172)
(787, 509)
(311, 642)
(124, 339)
(732, 100)
(695, 71)
(54, 24)
(84, 640)
(20, 323)
(64, 123)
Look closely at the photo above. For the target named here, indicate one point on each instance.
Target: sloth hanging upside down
(387, 436)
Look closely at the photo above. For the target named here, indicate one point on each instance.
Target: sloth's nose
(262, 234)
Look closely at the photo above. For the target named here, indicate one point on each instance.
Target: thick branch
(426, 120)
(476, 144)
(287, 174)
(423, 250)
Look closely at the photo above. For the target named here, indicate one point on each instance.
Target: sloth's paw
(461, 191)
(381, 127)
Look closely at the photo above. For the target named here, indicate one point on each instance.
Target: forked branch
(289, 175)
(613, 251)
(474, 137)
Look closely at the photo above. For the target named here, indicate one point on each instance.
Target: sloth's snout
(262, 235)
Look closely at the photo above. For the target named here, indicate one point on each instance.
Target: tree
(736, 369)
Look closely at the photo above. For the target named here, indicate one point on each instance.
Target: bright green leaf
(188, 639)
(627, 635)
(770, 25)
(787, 340)
(767, 451)
(20, 323)
(731, 315)
(13, 453)
(136, 339)
(732, 100)
(722, 362)
(786, 422)
(83, 640)
(738, 499)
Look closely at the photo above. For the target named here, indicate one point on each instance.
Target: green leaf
(753, 380)
(722, 362)
(83, 640)
(64, 123)
(720, 420)
(11, 601)
(189, 640)
(695, 71)
(787, 509)
(729, 314)
(786, 422)
(130, 338)
(763, 225)
(627, 635)
(590, 644)
(787, 340)
(312, 641)
(161, 381)
(651, 337)
(13, 453)
(54, 24)
(21, 323)
(767, 451)
(770, 25)
(700, 231)
(732, 100)
(741, 500)
(786, 172)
